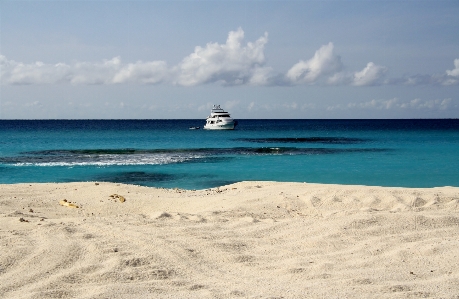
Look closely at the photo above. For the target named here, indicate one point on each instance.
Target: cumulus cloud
(455, 71)
(106, 72)
(452, 75)
(14, 72)
(234, 62)
(370, 75)
(231, 63)
(324, 62)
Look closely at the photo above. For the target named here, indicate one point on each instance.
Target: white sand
(247, 240)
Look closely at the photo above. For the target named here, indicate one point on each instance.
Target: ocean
(166, 153)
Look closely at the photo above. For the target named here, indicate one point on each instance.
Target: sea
(166, 153)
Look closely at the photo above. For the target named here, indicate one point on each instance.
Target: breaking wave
(109, 157)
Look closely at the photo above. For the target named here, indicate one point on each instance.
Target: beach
(252, 239)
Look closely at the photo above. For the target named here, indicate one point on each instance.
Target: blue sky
(258, 59)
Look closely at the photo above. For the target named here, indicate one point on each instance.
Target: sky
(272, 59)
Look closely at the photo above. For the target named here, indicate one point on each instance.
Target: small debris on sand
(65, 203)
(119, 197)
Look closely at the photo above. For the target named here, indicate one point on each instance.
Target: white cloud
(396, 104)
(152, 72)
(324, 62)
(14, 72)
(452, 75)
(230, 63)
(340, 78)
(455, 72)
(261, 76)
(370, 75)
(105, 72)
(430, 104)
(445, 104)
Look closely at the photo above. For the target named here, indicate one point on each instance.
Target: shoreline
(223, 186)
(252, 239)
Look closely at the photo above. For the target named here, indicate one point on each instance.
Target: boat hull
(219, 126)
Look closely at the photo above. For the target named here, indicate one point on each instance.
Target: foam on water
(111, 160)
(106, 157)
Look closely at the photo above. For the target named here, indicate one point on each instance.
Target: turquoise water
(165, 153)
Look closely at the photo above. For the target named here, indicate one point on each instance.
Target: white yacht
(219, 120)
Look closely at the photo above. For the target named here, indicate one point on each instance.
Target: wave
(97, 160)
(322, 140)
(191, 152)
(111, 157)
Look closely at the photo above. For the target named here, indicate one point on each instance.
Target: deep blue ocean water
(165, 153)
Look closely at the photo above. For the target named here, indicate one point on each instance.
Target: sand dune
(246, 240)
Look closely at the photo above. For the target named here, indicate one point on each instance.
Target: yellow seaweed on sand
(65, 203)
